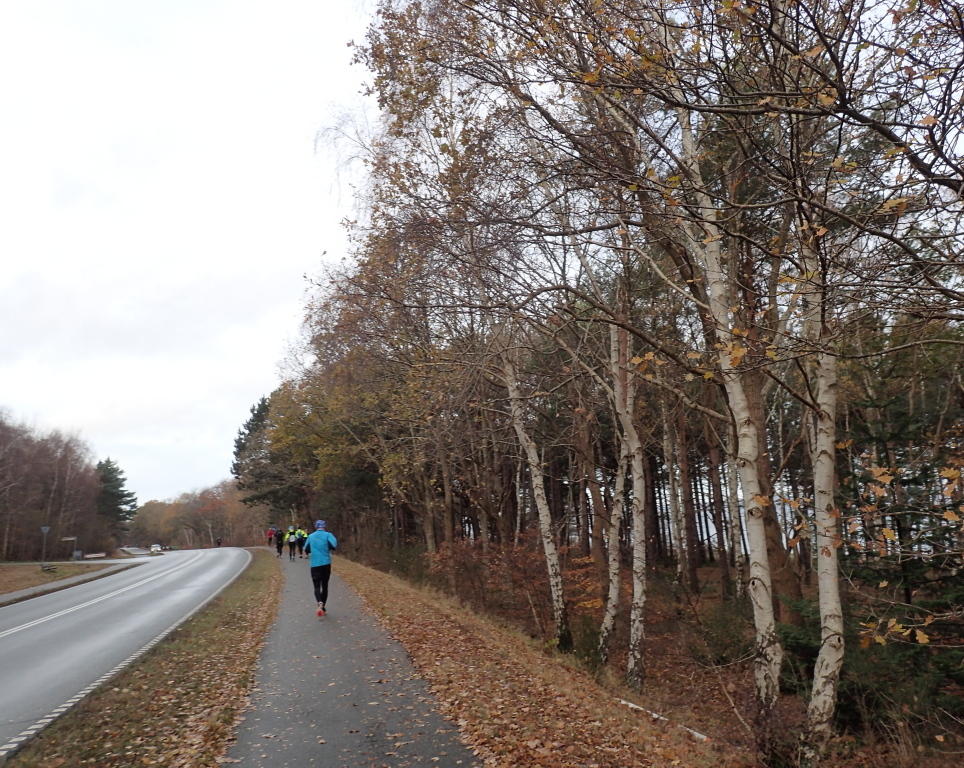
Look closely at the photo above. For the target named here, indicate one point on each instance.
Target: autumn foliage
(51, 479)
(647, 293)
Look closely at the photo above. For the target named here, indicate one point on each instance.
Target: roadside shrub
(885, 688)
(409, 562)
(585, 638)
(727, 632)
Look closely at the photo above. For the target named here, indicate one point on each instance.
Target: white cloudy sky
(161, 199)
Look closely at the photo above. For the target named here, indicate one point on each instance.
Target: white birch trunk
(635, 668)
(826, 673)
(675, 513)
(736, 519)
(615, 581)
(542, 503)
(769, 652)
(624, 391)
(822, 440)
(521, 504)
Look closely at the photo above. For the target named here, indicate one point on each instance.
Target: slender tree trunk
(561, 624)
(689, 509)
(637, 620)
(581, 503)
(736, 519)
(672, 489)
(615, 585)
(826, 674)
(624, 391)
(769, 652)
(8, 518)
(822, 440)
(53, 492)
(703, 516)
(428, 514)
(64, 498)
(785, 578)
(448, 523)
(653, 539)
(504, 519)
(522, 502)
(717, 491)
(597, 509)
(484, 483)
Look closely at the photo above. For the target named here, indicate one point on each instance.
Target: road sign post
(43, 557)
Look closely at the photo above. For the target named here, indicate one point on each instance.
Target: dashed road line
(6, 750)
(64, 612)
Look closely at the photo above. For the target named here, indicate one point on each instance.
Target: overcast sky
(161, 199)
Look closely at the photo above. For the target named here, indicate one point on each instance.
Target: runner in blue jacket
(318, 547)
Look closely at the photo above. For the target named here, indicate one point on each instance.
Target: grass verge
(516, 703)
(17, 576)
(176, 705)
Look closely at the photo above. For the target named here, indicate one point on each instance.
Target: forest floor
(520, 702)
(17, 576)
(517, 702)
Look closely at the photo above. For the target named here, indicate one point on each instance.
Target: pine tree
(249, 436)
(266, 468)
(115, 503)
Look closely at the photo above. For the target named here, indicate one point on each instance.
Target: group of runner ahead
(317, 547)
(294, 537)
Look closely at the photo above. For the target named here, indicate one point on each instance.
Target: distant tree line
(51, 479)
(199, 518)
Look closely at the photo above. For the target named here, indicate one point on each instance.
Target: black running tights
(320, 574)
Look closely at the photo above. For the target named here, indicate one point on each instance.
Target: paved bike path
(339, 692)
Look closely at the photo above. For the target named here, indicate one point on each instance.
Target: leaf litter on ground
(516, 703)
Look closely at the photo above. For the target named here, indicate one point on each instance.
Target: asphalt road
(340, 692)
(58, 647)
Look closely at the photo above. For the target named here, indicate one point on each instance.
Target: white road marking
(99, 599)
(17, 741)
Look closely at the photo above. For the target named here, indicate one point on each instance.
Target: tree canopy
(661, 285)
